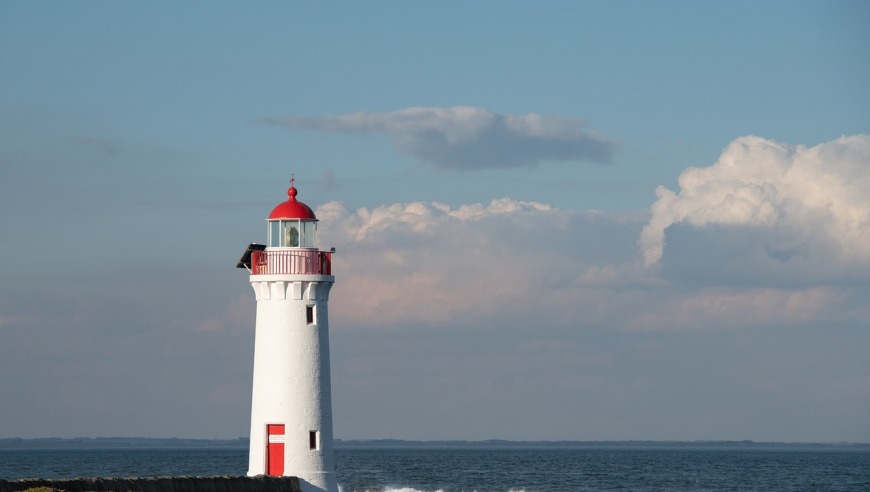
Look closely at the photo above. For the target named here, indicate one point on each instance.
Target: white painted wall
(292, 377)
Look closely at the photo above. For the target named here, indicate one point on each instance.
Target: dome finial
(291, 192)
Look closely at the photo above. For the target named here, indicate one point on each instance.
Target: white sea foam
(411, 489)
(406, 489)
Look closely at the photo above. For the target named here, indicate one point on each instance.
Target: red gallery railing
(294, 262)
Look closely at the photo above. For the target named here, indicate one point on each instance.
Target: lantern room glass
(292, 233)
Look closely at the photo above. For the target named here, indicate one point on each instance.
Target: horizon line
(191, 441)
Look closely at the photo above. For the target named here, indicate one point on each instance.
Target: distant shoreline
(242, 443)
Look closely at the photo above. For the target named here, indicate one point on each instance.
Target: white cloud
(520, 264)
(798, 207)
(429, 263)
(467, 137)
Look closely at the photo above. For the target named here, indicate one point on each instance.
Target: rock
(156, 484)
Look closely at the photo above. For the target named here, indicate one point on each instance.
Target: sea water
(485, 470)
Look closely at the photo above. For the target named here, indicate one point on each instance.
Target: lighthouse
(291, 404)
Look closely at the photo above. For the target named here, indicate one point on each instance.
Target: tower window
(312, 440)
(309, 314)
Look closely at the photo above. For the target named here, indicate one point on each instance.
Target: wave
(412, 489)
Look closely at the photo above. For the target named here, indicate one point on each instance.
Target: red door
(275, 449)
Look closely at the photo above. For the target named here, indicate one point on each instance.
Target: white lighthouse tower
(291, 407)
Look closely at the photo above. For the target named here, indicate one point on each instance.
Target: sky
(553, 220)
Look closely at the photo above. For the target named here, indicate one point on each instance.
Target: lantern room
(292, 224)
(291, 243)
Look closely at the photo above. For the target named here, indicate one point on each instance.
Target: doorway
(275, 449)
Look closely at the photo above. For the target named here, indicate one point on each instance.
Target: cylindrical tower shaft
(292, 385)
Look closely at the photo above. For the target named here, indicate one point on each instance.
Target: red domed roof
(292, 208)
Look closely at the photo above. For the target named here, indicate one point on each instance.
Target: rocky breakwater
(155, 484)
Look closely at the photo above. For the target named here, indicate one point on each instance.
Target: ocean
(604, 468)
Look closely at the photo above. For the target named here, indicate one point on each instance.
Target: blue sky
(570, 220)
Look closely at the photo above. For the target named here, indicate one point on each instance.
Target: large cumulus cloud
(467, 137)
(433, 264)
(768, 212)
(506, 262)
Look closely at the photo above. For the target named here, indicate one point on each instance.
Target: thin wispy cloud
(464, 138)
